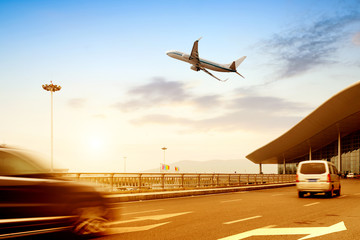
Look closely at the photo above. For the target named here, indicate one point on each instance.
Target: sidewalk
(115, 198)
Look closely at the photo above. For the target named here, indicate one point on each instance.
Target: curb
(115, 198)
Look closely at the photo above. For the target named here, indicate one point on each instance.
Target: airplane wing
(213, 75)
(194, 55)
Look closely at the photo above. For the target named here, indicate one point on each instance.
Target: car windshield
(17, 163)
(313, 168)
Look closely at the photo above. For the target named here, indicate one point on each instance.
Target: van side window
(331, 169)
(335, 170)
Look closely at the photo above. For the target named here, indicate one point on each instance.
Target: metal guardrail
(168, 181)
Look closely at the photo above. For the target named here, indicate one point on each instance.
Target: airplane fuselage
(198, 63)
(204, 63)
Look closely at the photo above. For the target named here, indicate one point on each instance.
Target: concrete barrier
(115, 198)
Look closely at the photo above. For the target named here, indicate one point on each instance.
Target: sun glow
(96, 143)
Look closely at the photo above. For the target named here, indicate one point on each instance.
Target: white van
(317, 176)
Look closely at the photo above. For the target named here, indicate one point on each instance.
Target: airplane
(203, 64)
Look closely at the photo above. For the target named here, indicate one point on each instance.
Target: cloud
(230, 122)
(206, 102)
(264, 104)
(77, 102)
(161, 119)
(304, 48)
(99, 116)
(154, 94)
(240, 111)
(160, 89)
(160, 92)
(245, 121)
(356, 39)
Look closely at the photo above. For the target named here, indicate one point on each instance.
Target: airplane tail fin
(236, 63)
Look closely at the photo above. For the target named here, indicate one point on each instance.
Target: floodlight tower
(51, 88)
(164, 148)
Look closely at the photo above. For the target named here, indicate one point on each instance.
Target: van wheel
(301, 194)
(338, 192)
(330, 193)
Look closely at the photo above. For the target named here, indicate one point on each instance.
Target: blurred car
(33, 201)
(350, 175)
(317, 176)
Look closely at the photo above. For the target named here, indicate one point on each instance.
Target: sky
(122, 96)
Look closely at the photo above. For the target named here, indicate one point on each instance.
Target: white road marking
(151, 217)
(241, 220)
(118, 230)
(280, 194)
(342, 196)
(132, 213)
(166, 199)
(117, 207)
(235, 200)
(311, 204)
(311, 232)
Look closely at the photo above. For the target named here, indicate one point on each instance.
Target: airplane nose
(168, 53)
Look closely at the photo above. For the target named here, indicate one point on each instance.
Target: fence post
(140, 182)
(112, 182)
(199, 181)
(229, 180)
(182, 180)
(163, 181)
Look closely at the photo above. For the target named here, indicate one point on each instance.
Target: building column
(310, 153)
(284, 167)
(339, 152)
(260, 168)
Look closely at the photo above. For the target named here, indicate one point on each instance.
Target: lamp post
(51, 88)
(164, 148)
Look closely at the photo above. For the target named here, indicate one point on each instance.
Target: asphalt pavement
(271, 214)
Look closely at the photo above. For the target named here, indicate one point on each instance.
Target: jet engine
(195, 68)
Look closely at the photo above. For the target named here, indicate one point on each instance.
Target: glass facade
(350, 155)
(290, 168)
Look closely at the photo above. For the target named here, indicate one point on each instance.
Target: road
(270, 214)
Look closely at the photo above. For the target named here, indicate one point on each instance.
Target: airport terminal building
(331, 132)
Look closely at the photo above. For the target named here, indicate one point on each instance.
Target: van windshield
(312, 168)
